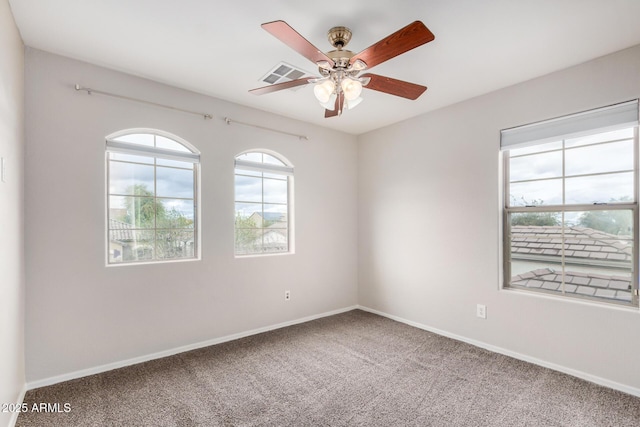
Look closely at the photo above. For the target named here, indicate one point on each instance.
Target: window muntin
(571, 217)
(262, 195)
(151, 199)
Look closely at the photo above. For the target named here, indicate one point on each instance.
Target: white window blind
(603, 119)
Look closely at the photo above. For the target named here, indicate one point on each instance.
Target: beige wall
(12, 280)
(81, 314)
(429, 229)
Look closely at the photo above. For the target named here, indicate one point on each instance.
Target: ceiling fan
(339, 85)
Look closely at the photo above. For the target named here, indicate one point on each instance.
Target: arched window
(263, 182)
(152, 187)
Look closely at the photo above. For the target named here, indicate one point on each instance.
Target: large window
(152, 210)
(262, 209)
(570, 205)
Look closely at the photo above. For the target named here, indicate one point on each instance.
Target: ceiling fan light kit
(324, 89)
(340, 84)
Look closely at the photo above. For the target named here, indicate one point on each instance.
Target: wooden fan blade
(407, 38)
(394, 87)
(280, 86)
(287, 35)
(337, 111)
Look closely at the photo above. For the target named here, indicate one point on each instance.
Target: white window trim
(288, 170)
(617, 116)
(111, 146)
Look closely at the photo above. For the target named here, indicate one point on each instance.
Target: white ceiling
(218, 47)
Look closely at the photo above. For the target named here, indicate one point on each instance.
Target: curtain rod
(301, 137)
(91, 91)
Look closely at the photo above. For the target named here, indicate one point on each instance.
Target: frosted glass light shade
(323, 90)
(352, 88)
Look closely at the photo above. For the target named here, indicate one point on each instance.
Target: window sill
(168, 261)
(629, 308)
(261, 255)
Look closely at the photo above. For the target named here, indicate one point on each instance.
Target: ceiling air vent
(284, 72)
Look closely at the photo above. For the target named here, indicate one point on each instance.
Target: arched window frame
(174, 239)
(272, 236)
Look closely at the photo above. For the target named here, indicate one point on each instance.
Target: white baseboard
(14, 416)
(115, 365)
(573, 372)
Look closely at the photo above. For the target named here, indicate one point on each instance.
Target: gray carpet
(352, 369)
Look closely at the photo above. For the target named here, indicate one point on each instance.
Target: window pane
(575, 280)
(528, 221)
(275, 240)
(130, 178)
(248, 242)
(136, 212)
(275, 216)
(598, 255)
(175, 213)
(599, 244)
(256, 241)
(600, 137)
(172, 244)
(536, 166)
(137, 245)
(246, 210)
(169, 144)
(547, 192)
(607, 284)
(115, 250)
(275, 191)
(556, 145)
(536, 249)
(600, 188)
(118, 209)
(137, 138)
(266, 158)
(616, 225)
(172, 182)
(611, 157)
(248, 188)
(121, 238)
(248, 238)
(252, 216)
(251, 157)
(595, 246)
(536, 275)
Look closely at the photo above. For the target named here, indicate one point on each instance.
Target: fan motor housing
(339, 37)
(340, 57)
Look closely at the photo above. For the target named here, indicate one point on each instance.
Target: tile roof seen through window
(120, 231)
(609, 287)
(580, 243)
(584, 249)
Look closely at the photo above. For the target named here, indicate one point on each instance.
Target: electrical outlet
(287, 295)
(481, 311)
